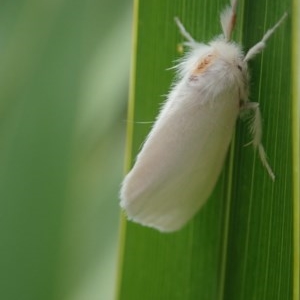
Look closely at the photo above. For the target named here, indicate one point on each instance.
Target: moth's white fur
(182, 157)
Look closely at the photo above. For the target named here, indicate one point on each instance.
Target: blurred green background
(64, 73)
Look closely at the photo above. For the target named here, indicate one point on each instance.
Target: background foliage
(63, 91)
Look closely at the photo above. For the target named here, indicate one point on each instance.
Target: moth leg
(256, 131)
(258, 47)
(184, 32)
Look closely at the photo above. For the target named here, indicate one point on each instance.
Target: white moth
(182, 157)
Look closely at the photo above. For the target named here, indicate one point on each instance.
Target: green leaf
(240, 245)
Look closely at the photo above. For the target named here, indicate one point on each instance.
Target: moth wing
(181, 160)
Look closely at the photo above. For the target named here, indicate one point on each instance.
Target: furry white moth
(182, 157)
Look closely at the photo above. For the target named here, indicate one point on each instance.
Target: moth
(182, 157)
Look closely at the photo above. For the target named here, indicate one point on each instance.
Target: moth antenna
(228, 19)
